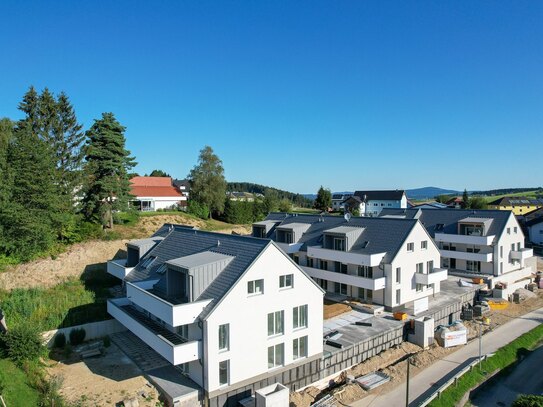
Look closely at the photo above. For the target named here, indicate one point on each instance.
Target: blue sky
(348, 94)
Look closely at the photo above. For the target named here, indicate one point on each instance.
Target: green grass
(14, 386)
(528, 194)
(503, 358)
(74, 302)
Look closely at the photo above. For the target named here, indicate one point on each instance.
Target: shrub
(59, 340)
(77, 336)
(198, 209)
(23, 343)
(528, 400)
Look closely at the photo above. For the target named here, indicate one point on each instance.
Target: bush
(528, 400)
(198, 209)
(23, 343)
(59, 341)
(77, 336)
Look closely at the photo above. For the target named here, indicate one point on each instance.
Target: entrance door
(453, 263)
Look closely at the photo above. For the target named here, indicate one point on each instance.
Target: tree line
(58, 183)
(296, 199)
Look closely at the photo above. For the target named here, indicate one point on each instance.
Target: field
(529, 194)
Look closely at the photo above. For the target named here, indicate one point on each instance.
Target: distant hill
(429, 192)
(297, 199)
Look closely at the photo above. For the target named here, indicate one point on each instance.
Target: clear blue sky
(292, 94)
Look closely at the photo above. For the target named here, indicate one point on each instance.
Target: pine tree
(208, 186)
(107, 168)
(324, 199)
(465, 199)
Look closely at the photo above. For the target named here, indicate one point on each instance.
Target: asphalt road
(524, 379)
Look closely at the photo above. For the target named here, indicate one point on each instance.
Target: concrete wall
(93, 330)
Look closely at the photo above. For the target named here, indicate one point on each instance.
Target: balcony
(118, 268)
(522, 254)
(452, 254)
(434, 277)
(464, 239)
(170, 346)
(362, 282)
(290, 248)
(345, 257)
(170, 311)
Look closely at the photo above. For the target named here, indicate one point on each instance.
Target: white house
(337, 201)
(370, 203)
(227, 310)
(486, 244)
(153, 193)
(391, 262)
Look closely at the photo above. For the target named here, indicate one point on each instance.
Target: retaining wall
(93, 330)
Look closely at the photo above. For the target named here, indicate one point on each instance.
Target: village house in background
(370, 203)
(338, 201)
(243, 196)
(154, 193)
(518, 204)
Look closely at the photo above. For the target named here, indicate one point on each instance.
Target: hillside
(429, 192)
(296, 199)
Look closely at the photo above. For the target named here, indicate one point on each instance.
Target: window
(429, 266)
(419, 287)
(161, 269)
(340, 267)
(310, 262)
(340, 288)
(398, 274)
(323, 264)
(296, 259)
(508, 231)
(299, 317)
(286, 281)
(255, 287)
(518, 246)
(339, 244)
(501, 268)
(299, 348)
(410, 247)
(365, 271)
(439, 227)
(223, 372)
(474, 266)
(424, 244)
(398, 294)
(420, 267)
(148, 261)
(288, 237)
(513, 246)
(275, 323)
(224, 337)
(515, 229)
(275, 355)
(445, 262)
(501, 252)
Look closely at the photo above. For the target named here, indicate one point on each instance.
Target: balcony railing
(464, 239)
(453, 254)
(345, 257)
(173, 314)
(356, 281)
(522, 254)
(437, 275)
(170, 346)
(118, 268)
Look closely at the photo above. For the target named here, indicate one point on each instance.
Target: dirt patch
(334, 309)
(304, 398)
(103, 381)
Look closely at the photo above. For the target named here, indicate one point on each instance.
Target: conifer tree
(324, 199)
(108, 163)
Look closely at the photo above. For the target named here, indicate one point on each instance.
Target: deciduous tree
(324, 199)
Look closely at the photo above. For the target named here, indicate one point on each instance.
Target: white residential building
(154, 193)
(486, 244)
(337, 201)
(227, 310)
(370, 203)
(391, 262)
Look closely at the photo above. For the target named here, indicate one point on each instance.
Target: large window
(255, 287)
(276, 355)
(299, 348)
(286, 281)
(398, 296)
(224, 337)
(299, 317)
(275, 323)
(223, 372)
(339, 244)
(340, 288)
(323, 264)
(365, 271)
(429, 266)
(474, 266)
(420, 267)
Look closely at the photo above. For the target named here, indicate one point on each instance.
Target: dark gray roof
(182, 241)
(449, 218)
(385, 195)
(382, 234)
(516, 200)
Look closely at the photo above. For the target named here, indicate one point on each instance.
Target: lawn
(528, 194)
(14, 386)
(503, 358)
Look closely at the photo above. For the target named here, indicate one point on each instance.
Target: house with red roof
(154, 193)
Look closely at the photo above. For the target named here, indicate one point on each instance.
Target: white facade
(373, 206)
(536, 233)
(150, 203)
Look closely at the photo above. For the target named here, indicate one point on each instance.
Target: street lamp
(486, 322)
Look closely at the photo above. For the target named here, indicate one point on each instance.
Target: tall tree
(465, 199)
(158, 173)
(7, 128)
(108, 163)
(208, 186)
(271, 200)
(324, 199)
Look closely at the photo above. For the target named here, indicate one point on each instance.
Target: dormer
(291, 232)
(341, 238)
(265, 228)
(472, 226)
(136, 249)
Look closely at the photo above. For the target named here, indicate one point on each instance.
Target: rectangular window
(369, 295)
(286, 281)
(508, 231)
(429, 266)
(501, 252)
(512, 246)
(398, 294)
(339, 244)
(255, 287)
(299, 317)
(275, 323)
(275, 355)
(340, 288)
(224, 337)
(424, 244)
(299, 348)
(419, 287)
(288, 237)
(410, 247)
(501, 268)
(296, 259)
(323, 264)
(445, 262)
(310, 262)
(518, 246)
(515, 229)
(420, 267)
(474, 266)
(398, 274)
(365, 271)
(223, 372)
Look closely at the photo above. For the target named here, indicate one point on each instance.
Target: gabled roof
(182, 242)
(151, 181)
(517, 201)
(379, 235)
(446, 220)
(139, 191)
(382, 195)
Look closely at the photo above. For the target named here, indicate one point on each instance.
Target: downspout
(202, 362)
